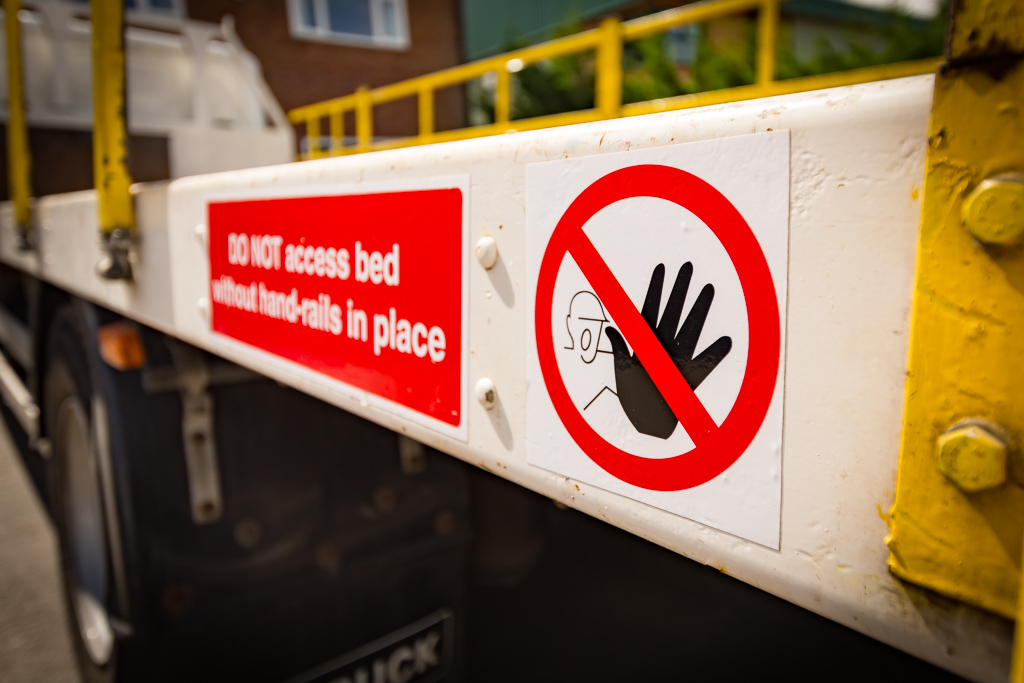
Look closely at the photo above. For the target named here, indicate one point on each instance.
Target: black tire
(78, 501)
(179, 601)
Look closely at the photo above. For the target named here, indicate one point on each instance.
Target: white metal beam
(857, 165)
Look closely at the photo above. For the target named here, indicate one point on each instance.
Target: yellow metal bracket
(19, 159)
(110, 138)
(958, 516)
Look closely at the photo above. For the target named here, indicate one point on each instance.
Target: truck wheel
(353, 539)
(77, 499)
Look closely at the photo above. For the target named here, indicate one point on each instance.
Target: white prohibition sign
(611, 420)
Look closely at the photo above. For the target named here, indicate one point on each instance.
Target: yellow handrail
(19, 159)
(607, 40)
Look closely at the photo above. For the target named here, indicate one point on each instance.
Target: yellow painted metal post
(337, 124)
(19, 159)
(426, 111)
(110, 137)
(958, 514)
(608, 95)
(312, 137)
(364, 119)
(767, 41)
(503, 96)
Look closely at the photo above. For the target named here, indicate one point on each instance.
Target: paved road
(34, 643)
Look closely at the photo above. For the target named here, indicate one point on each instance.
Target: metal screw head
(994, 210)
(248, 533)
(973, 457)
(487, 252)
(385, 499)
(486, 392)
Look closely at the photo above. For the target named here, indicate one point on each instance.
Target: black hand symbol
(643, 404)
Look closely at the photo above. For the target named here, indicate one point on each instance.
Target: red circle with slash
(717, 447)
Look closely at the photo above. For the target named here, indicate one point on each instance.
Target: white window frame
(693, 38)
(142, 7)
(321, 32)
(177, 8)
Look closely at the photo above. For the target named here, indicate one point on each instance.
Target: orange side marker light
(121, 346)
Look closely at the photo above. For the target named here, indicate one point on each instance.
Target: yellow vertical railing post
(312, 137)
(503, 95)
(608, 95)
(364, 119)
(19, 159)
(110, 137)
(767, 41)
(337, 128)
(426, 113)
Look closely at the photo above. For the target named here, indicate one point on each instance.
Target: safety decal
(366, 288)
(656, 365)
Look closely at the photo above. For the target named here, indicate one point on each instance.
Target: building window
(680, 43)
(170, 8)
(368, 23)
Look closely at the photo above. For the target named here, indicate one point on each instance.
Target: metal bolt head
(487, 252)
(486, 392)
(248, 533)
(385, 499)
(973, 458)
(994, 210)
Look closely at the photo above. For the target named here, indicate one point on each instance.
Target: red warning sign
(367, 289)
(716, 446)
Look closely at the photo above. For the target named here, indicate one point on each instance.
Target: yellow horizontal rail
(607, 42)
(786, 87)
(654, 24)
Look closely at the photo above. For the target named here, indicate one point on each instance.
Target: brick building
(188, 83)
(305, 61)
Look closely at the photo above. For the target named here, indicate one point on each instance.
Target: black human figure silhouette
(643, 404)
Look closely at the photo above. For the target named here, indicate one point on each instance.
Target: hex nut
(994, 210)
(973, 458)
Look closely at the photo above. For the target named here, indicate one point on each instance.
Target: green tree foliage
(567, 83)
(555, 85)
(905, 39)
